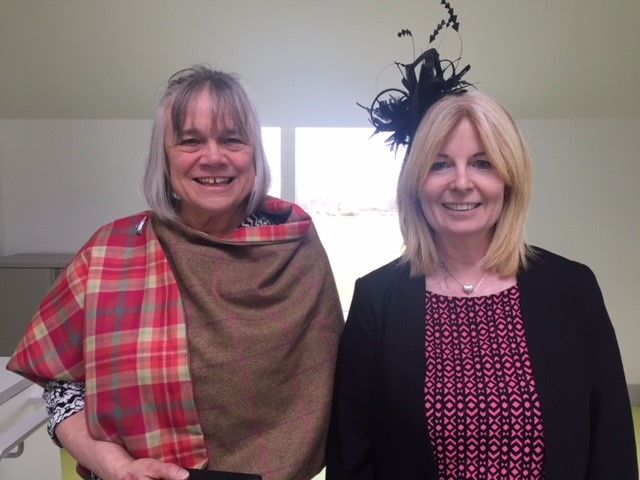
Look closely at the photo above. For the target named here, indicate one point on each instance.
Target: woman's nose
(462, 180)
(213, 151)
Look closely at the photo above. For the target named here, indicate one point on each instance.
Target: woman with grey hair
(200, 334)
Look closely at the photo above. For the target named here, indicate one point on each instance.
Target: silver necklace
(468, 289)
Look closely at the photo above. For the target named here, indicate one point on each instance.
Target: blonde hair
(231, 101)
(505, 147)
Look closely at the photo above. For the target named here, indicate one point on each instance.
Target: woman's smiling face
(210, 168)
(462, 194)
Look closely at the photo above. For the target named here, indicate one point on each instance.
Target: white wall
(309, 61)
(61, 179)
(585, 206)
(2, 248)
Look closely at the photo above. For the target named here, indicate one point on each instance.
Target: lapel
(558, 362)
(411, 313)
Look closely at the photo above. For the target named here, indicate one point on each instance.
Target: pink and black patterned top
(484, 418)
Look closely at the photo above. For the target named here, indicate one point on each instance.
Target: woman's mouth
(214, 180)
(460, 207)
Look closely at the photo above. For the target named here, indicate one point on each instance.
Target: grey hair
(231, 103)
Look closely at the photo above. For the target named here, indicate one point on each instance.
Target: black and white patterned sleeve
(62, 399)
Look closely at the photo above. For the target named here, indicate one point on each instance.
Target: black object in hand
(218, 475)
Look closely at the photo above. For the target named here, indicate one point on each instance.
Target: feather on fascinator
(425, 80)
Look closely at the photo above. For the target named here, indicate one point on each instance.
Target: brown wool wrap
(263, 324)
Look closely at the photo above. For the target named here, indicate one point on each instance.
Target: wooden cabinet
(24, 279)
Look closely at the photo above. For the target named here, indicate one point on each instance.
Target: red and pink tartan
(114, 320)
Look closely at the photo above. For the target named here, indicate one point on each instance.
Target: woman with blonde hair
(475, 355)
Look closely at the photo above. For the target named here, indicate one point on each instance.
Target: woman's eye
(234, 143)
(188, 144)
(483, 164)
(438, 165)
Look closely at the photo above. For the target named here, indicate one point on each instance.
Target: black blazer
(378, 428)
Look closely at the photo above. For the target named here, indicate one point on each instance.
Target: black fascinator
(425, 80)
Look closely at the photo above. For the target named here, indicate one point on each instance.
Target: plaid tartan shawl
(115, 320)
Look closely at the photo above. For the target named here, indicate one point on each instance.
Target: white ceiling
(308, 62)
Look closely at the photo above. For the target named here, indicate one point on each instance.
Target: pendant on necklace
(467, 288)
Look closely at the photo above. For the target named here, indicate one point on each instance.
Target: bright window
(346, 180)
(271, 145)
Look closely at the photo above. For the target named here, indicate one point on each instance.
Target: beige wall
(585, 207)
(309, 61)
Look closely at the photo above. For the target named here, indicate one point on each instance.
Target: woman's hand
(109, 460)
(150, 469)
